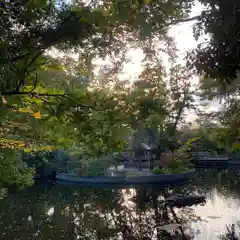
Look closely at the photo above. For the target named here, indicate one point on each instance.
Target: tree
(218, 56)
(225, 132)
(29, 28)
(48, 93)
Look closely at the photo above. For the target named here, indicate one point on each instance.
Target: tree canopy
(218, 56)
(50, 101)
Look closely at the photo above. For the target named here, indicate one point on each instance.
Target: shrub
(179, 169)
(158, 170)
(174, 163)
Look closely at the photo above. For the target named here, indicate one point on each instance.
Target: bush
(158, 170)
(174, 163)
(179, 169)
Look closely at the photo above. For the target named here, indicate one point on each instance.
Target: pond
(55, 212)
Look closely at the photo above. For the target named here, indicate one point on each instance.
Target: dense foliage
(218, 56)
(54, 96)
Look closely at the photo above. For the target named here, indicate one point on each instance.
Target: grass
(174, 166)
(158, 170)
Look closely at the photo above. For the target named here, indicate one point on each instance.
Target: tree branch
(49, 105)
(39, 95)
(184, 20)
(33, 94)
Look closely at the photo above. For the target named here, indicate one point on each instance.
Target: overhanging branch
(41, 95)
(184, 20)
(33, 94)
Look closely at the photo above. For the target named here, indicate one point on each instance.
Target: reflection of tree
(27, 216)
(233, 233)
(226, 181)
(64, 212)
(135, 215)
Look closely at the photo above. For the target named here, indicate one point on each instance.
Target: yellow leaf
(37, 115)
(148, 1)
(236, 146)
(25, 110)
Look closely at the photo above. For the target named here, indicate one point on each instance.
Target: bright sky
(184, 39)
(183, 35)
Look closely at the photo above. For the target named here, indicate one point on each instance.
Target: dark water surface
(46, 212)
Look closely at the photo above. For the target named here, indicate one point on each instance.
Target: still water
(54, 212)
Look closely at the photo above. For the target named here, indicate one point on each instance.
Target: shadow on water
(56, 211)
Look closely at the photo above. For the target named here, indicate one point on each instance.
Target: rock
(84, 172)
(183, 200)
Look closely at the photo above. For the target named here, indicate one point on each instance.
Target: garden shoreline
(157, 179)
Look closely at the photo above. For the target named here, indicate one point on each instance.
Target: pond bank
(154, 179)
(217, 163)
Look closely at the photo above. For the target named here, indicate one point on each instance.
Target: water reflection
(222, 208)
(66, 212)
(218, 211)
